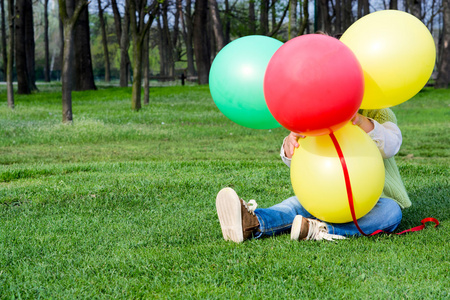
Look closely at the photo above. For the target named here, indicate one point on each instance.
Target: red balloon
(313, 84)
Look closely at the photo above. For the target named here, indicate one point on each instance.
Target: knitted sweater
(393, 186)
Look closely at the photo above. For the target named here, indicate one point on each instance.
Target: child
(240, 220)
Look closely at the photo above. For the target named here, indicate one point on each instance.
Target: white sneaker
(237, 218)
(310, 229)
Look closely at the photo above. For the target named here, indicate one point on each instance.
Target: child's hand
(363, 122)
(290, 143)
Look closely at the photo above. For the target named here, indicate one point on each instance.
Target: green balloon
(236, 81)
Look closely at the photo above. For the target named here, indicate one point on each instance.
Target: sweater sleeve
(388, 138)
(286, 160)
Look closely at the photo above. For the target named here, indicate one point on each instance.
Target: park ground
(121, 204)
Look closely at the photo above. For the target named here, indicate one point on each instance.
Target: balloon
(313, 84)
(397, 54)
(236, 81)
(318, 179)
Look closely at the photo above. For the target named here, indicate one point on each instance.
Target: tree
(3, 29)
(216, 24)
(9, 66)
(443, 79)
(264, 17)
(47, 52)
(24, 46)
(292, 26)
(201, 41)
(69, 17)
(187, 33)
(104, 40)
(139, 11)
(166, 47)
(84, 75)
(305, 19)
(122, 31)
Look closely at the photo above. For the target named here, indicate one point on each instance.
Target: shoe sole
(296, 227)
(228, 207)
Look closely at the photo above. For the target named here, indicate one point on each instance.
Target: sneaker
(237, 218)
(310, 229)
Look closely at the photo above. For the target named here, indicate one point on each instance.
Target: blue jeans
(386, 215)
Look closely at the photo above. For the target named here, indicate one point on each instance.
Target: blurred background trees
(180, 38)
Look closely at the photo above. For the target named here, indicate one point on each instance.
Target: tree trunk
(305, 18)
(139, 30)
(443, 78)
(122, 32)
(347, 14)
(10, 62)
(292, 27)
(264, 17)
(251, 17)
(146, 69)
(47, 51)
(104, 41)
(124, 46)
(201, 43)
(188, 31)
(415, 8)
(393, 4)
(363, 8)
(137, 77)
(23, 83)
(84, 75)
(69, 17)
(325, 16)
(3, 29)
(227, 23)
(168, 46)
(216, 24)
(66, 73)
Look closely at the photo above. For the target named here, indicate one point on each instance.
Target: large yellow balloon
(397, 54)
(317, 174)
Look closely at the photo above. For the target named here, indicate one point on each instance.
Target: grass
(121, 204)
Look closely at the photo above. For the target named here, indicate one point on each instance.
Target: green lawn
(121, 204)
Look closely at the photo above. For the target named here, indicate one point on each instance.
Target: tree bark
(443, 78)
(84, 75)
(104, 41)
(251, 17)
(227, 23)
(168, 45)
(46, 42)
(264, 17)
(69, 17)
(201, 43)
(124, 46)
(3, 29)
(305, 19)
(24, 44)
(415, 8)
(363, 8)
(393, 4)
(216, 24)
(146, 69)
(122, 31)
(10, 62)
(188, 29)
(292, 26)
(139, 30)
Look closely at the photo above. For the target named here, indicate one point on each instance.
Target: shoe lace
(250, 206)
(318, 231)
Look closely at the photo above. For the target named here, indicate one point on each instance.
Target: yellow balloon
(317, 174)
(397, 54)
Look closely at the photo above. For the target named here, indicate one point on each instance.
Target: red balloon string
(348, 184)
(350, 196)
